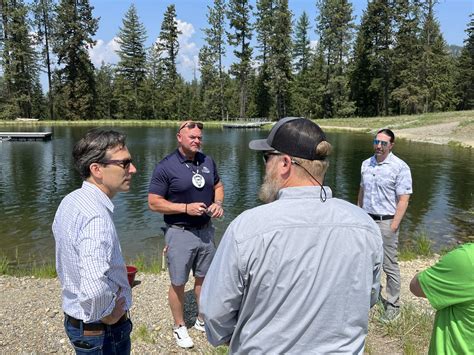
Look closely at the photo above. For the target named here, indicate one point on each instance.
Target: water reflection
(35, 176)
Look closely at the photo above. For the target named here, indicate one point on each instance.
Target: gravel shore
(32, 320)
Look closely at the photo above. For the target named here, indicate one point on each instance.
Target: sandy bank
(31, 317)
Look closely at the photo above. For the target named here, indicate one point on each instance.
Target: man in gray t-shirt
(300, 273)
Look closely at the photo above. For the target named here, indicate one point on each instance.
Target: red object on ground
(131, 272)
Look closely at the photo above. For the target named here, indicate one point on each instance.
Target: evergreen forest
(393, 61)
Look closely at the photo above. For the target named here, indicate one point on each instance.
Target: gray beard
(269, 189)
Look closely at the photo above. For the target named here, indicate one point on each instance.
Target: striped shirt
(89, 259)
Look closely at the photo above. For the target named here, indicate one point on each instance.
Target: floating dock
(245, 125)
(25, 136)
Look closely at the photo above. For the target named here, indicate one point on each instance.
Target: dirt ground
(443, 133)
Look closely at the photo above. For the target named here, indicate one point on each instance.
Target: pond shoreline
(454, 128)
(32, 318)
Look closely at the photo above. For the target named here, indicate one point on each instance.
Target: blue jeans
(112, 340)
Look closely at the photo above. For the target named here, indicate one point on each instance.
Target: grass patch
(410, 332)
(151, 265)
(4, 265)
(141, 333)
(420, 246)
(455, 144)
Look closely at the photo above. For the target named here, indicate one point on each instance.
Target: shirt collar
(303, 192)
(182, 159)
(99, 195)
(374, 162)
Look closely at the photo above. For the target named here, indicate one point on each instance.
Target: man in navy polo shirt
(186, 189)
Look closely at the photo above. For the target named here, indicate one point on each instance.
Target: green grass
(141, 333)
(411, 332)
(4, 265)
(420, 245)
(151, 265)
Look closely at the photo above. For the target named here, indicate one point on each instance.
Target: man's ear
(96, 170)
(286, 162)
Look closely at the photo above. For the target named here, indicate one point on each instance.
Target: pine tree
(43, 11)
(301, 44)
(153, 95)
(210, 56)
(168, 47)
(239, 17)
(335, 27)
(280, 58)
(169, 43)
(75, 81)
(407, 94)
(437, 70)
(131, 66)
(19, 60)
(370, 75)
(106, 106)
(210, 87)
(465, 71)
(264, 23)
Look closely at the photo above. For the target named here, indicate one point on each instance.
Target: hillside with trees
(394, 62)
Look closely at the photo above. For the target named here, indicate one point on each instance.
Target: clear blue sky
(453, 16)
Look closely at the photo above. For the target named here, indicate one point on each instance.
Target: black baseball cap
(295, 136)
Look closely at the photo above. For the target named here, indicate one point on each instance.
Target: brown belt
(76, 323)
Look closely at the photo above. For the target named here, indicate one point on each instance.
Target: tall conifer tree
(73, 36)
(19, 61)
(280, 58)
(370, 75)
(239, 17)
(301, 44)
(465, 71)
(131, 66)
(335, 27)
(437, 70)
(210, 58)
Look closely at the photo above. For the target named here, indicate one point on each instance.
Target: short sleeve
(404, 185)
(451, 280)
(159, 181)
(216, 174)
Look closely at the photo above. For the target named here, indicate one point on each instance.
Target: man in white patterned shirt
(385, 190)
(95, 291)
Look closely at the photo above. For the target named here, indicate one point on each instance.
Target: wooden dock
(25, 136)
(245, 124)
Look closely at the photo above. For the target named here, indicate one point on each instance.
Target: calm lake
(35, 176)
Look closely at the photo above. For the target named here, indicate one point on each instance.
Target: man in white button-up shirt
(385, 189)
(95, 291)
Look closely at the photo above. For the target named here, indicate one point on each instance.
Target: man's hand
(118, 311)
(196, 208)
(215, 210)
(394, 226)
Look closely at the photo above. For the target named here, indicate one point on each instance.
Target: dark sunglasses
(377, 142)
(268, 155)
(191, 125)
(124, 164)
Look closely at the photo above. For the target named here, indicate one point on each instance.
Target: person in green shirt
(449, 287)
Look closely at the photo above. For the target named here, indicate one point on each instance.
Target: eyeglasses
(124, 164)
(191, 125)
(383, 143)
(267, 155)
